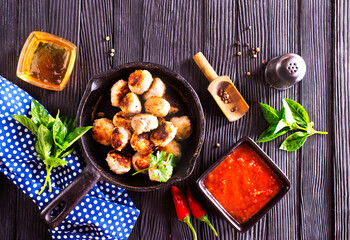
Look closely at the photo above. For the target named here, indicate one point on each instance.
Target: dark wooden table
(170, 33)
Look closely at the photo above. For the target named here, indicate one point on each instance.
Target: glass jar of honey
(46, 61)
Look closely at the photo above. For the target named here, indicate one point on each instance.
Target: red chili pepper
(198, 211)
(182, 210)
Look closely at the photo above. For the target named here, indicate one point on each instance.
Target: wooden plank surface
(316, 193)
(282, 37)
(170, 33)
(341, 122)
(8, 64)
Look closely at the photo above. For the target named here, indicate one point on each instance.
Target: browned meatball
(118, 162)
(157, 106)
(118, 91)
(102, 130)
(184, 127)
(140, 162)
(140, 81)
(120, 138)
(164, 134)
(142, 143)
(121, 119)
(131, 104)
(144, 123)
(157, 89)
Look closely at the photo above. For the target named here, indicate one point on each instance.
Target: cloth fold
(106, 212)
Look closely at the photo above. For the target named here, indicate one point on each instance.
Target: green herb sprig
(55, 137)
(162, 165)
(292, 117)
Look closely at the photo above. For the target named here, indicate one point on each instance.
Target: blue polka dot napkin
(106, 212)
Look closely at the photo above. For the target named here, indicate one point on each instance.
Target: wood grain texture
(282, 37)
(8, 193)
(341, 106)
(316, 193)
(94, 55)
(170, 33)
(8, 65)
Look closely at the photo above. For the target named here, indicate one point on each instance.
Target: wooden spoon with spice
(223, 90)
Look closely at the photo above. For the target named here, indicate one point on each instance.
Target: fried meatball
(102, 130)
(118, 92)
(141, 143)
(120, 138)
(172, 147)
(121, 119)
(157, 106)
(118, 162)
(157, 89)
(140, 81)
(131, 104)
(184, 127)
(140, 162)
(164, 134)
(144, 123)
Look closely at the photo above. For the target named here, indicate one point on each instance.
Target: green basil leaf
(44, 142)
(269, 134)
(67, 151)
(50, 122)
(74, 136)
(271, 115)
(55, 162)
(281, 124)
(294, 141)
(39, 114)
(298, 112)
(69, 122)
(287, 113)
(27, 122)
(60, 132)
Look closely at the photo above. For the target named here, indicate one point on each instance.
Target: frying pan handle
(70, 196)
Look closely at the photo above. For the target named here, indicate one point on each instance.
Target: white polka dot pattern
(106, 212)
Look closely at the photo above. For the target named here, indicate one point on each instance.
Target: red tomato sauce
(243, 183)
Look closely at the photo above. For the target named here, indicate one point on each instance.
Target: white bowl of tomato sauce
(244, 184)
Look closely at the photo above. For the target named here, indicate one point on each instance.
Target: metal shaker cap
(285, 71)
